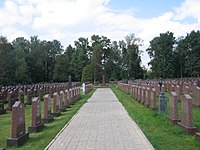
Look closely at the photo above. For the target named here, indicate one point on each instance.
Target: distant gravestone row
(11, 94)
(61, 100)
(146, 93)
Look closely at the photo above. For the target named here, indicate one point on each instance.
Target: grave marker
(173, 107)
(47, 109)
(186, 115)
(37, 124)
(56, 105)
(19, 134)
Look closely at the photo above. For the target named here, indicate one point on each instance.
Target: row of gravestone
(179, 86)
(12, 94)
(61, 101)
(146, 95)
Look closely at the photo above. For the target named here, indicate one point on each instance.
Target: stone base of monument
(15, 142)
(175, 121)
(62, 109)
(34, 129)
(188, 130)
(154, 109)
(196, 105)
(47, 120)
(56, 114)
(197, 135)
(28, 103)
(2, 111)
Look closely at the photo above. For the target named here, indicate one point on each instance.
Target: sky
(67, 20)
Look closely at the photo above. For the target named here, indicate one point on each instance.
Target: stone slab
(16, 142)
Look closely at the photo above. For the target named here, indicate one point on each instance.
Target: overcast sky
(67, 20)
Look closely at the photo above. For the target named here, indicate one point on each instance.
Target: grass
(163, 134)
(41, 139)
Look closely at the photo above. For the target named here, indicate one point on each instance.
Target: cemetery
(96, 94)
(29, 110)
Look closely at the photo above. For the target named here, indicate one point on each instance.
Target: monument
(19, 134)
(37, 124)
(47, 109)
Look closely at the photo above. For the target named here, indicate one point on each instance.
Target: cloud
(189, 8)
(67, 20)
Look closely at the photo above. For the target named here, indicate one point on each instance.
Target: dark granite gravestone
(37, 124)
(162, 102)
(19, 134)
(56, 105)
(2, 109)
(186, 115)
(47, 109)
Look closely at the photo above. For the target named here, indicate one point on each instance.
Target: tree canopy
(25, 61)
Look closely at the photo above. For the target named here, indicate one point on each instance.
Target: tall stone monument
(19, 134)
(37, 124)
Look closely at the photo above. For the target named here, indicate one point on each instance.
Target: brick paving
(101, 124)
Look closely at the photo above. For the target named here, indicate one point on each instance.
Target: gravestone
(103, 80)
(197, 97)
(147, 97)
(70, 96)
(2, 109)
(66, 102)
(153, 99)
(186, 115)
(37, 124)
(11, 101)
(56, 105)
(47, 109)
(29, 97)
(162, 102)
(19, 134)
(62, 100)
(21, 96)
(173, 107)
(197, 135)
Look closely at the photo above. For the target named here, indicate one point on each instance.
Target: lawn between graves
(162, 134)
(38, 141)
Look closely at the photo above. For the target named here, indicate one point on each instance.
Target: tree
(87, 75)
(21, 49)
(131, 60)
(192, 62)
(161, 53)
(7, 62)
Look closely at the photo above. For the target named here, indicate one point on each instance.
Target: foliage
(31, 61)
(161, 52)
(87, 74)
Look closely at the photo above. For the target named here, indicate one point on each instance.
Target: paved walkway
(101, 124)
